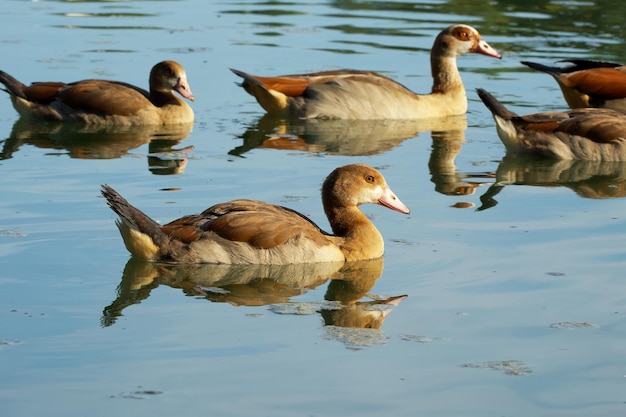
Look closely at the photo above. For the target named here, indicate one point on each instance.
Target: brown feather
(103, 97)
(585, 133)
(43, 93)
(586, 83)
(183, 233)
(606, 83)
(254, 222)
(597, 125)
(546, 122)
(289, 86)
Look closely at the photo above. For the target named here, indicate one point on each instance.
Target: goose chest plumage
(351, 94)
(255, 232)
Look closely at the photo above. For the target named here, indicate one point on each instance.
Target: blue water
(515, 303)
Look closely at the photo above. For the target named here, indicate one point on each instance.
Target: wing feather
(254, 222)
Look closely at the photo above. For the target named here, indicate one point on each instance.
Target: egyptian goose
(102, 102)
(349, 94)
(587, 83)
(254, 232)
(585, 134)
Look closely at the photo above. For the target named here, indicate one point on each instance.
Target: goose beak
(483, 48)
(182, 87)
(389, 200)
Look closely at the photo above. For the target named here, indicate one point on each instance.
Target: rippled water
(513, 268)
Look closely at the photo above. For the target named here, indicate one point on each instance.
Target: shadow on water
(588, 179)
(102, 142)
(267, 285)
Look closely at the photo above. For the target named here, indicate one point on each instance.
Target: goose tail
(142, 235)
(497, 108)
(12, 86)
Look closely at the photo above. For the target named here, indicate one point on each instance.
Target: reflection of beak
(393, 301)
(389, 301)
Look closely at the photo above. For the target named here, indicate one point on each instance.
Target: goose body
(586, 83)
(255, 232)
(582, 134)
(351, 94)
(103, 102)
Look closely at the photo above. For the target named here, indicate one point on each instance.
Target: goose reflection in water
(444, 174)
(103, 142)
(339, 137)
(588, 179)
(265, 285)
(371, 137)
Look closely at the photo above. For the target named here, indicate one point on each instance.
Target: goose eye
(370, 179)
(461, 34)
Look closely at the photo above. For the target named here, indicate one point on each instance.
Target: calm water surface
(513, 268)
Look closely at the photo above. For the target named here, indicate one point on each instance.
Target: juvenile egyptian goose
(102, 102)
(586, 83)
(350, 94)
(254, 232)
(585, 134)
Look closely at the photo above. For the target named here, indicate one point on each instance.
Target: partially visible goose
(350, 94)
(586, 83)
(105, 102)
(585, 134)
(254, 232)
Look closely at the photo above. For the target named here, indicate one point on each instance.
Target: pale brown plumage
(254, 232)
(104, 102)
(350, 94)
(586, 83)
(585, 134)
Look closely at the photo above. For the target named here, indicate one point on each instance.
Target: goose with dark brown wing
(586, 83)
(255, 232)
(585, 134)
(103, 102)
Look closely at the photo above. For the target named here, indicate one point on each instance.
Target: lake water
(513, 269)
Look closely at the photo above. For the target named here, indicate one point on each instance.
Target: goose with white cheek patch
(351, 94)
